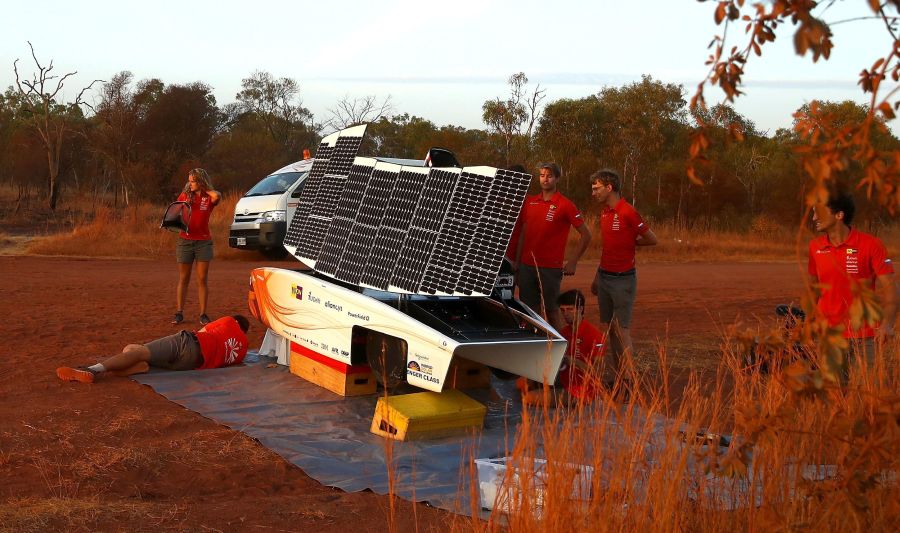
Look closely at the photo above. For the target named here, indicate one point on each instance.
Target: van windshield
(275, 184)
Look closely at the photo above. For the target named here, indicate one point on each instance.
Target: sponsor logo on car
(423, 377)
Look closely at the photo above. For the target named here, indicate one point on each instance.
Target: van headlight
(273, 216)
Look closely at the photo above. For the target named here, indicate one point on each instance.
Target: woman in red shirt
(195, 244)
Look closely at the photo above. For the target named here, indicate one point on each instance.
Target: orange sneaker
(141, 367)
(79, 374)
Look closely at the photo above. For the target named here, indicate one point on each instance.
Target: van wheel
(387, 357)
(275, 253)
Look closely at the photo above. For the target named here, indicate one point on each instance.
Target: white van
(260, 217)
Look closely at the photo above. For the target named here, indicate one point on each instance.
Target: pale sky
(437, 60)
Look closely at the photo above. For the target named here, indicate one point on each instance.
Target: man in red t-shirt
(622, 230)
(580, 373)
(579, 376)
(222, 342)
(540, 259)
(841, 262)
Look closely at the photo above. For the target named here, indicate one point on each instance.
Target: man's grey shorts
(189, 251)
(531, 293)
(615, 295)
(180, 351)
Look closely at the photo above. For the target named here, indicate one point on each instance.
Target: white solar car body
(417, 335)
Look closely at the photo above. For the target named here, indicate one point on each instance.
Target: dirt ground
(117, 456)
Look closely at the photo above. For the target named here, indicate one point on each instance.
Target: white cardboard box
(274, 345)
(502, 484)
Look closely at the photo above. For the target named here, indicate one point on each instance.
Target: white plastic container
(502, 484)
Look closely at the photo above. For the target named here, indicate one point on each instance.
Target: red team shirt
(619, 227)
(858, 260)
(587, 347)
(547, 229)
(222, 343)
(201, 208)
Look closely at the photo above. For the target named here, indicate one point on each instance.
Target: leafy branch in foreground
(827, 150)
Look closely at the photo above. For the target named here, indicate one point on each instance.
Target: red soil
(116, 456)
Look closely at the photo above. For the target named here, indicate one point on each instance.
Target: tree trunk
(658, 189)
(53, 185)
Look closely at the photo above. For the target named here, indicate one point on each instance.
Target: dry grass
(68, 514)
(93, 228)
(134, 231)
(763, 241)
(801, 454)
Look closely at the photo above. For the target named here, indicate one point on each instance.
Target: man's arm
(569, 269)
(646, 239)
(888, 295)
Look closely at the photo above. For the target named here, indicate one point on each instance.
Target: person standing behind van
(195, 244)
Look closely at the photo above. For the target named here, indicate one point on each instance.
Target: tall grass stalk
(797, 453)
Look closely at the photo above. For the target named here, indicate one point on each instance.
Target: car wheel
(387, 357)
(275, 253)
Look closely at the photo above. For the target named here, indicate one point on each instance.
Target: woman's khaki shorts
(189, 251)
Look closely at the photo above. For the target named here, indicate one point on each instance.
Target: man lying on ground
(222, 342)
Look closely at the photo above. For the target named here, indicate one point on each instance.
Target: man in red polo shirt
(841, 261)
(540, 258)
(222, 342)
(622, 229)
(580, 372)
(578, 380)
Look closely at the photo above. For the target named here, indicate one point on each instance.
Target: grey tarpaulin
(328, 436)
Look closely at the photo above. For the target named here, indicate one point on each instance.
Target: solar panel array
(404, 229)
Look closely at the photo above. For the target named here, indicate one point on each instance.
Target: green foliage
(143, 135)
(275, 106)
(513, 119)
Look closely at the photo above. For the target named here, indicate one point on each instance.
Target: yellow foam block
(426, 415)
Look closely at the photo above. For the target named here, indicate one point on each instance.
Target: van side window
(298, 190)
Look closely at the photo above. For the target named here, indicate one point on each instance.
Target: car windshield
(275, 184)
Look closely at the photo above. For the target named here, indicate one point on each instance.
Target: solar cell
(308, 196)
(354, 261)
(424, 227)
(398, 215)
(496, 224)
(457, 231)
(440, 231)
(345, 215)
(327, 191)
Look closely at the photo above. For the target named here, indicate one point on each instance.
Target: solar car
(405, 269)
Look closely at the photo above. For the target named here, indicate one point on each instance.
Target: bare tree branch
(350, 112)
(49, 119)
